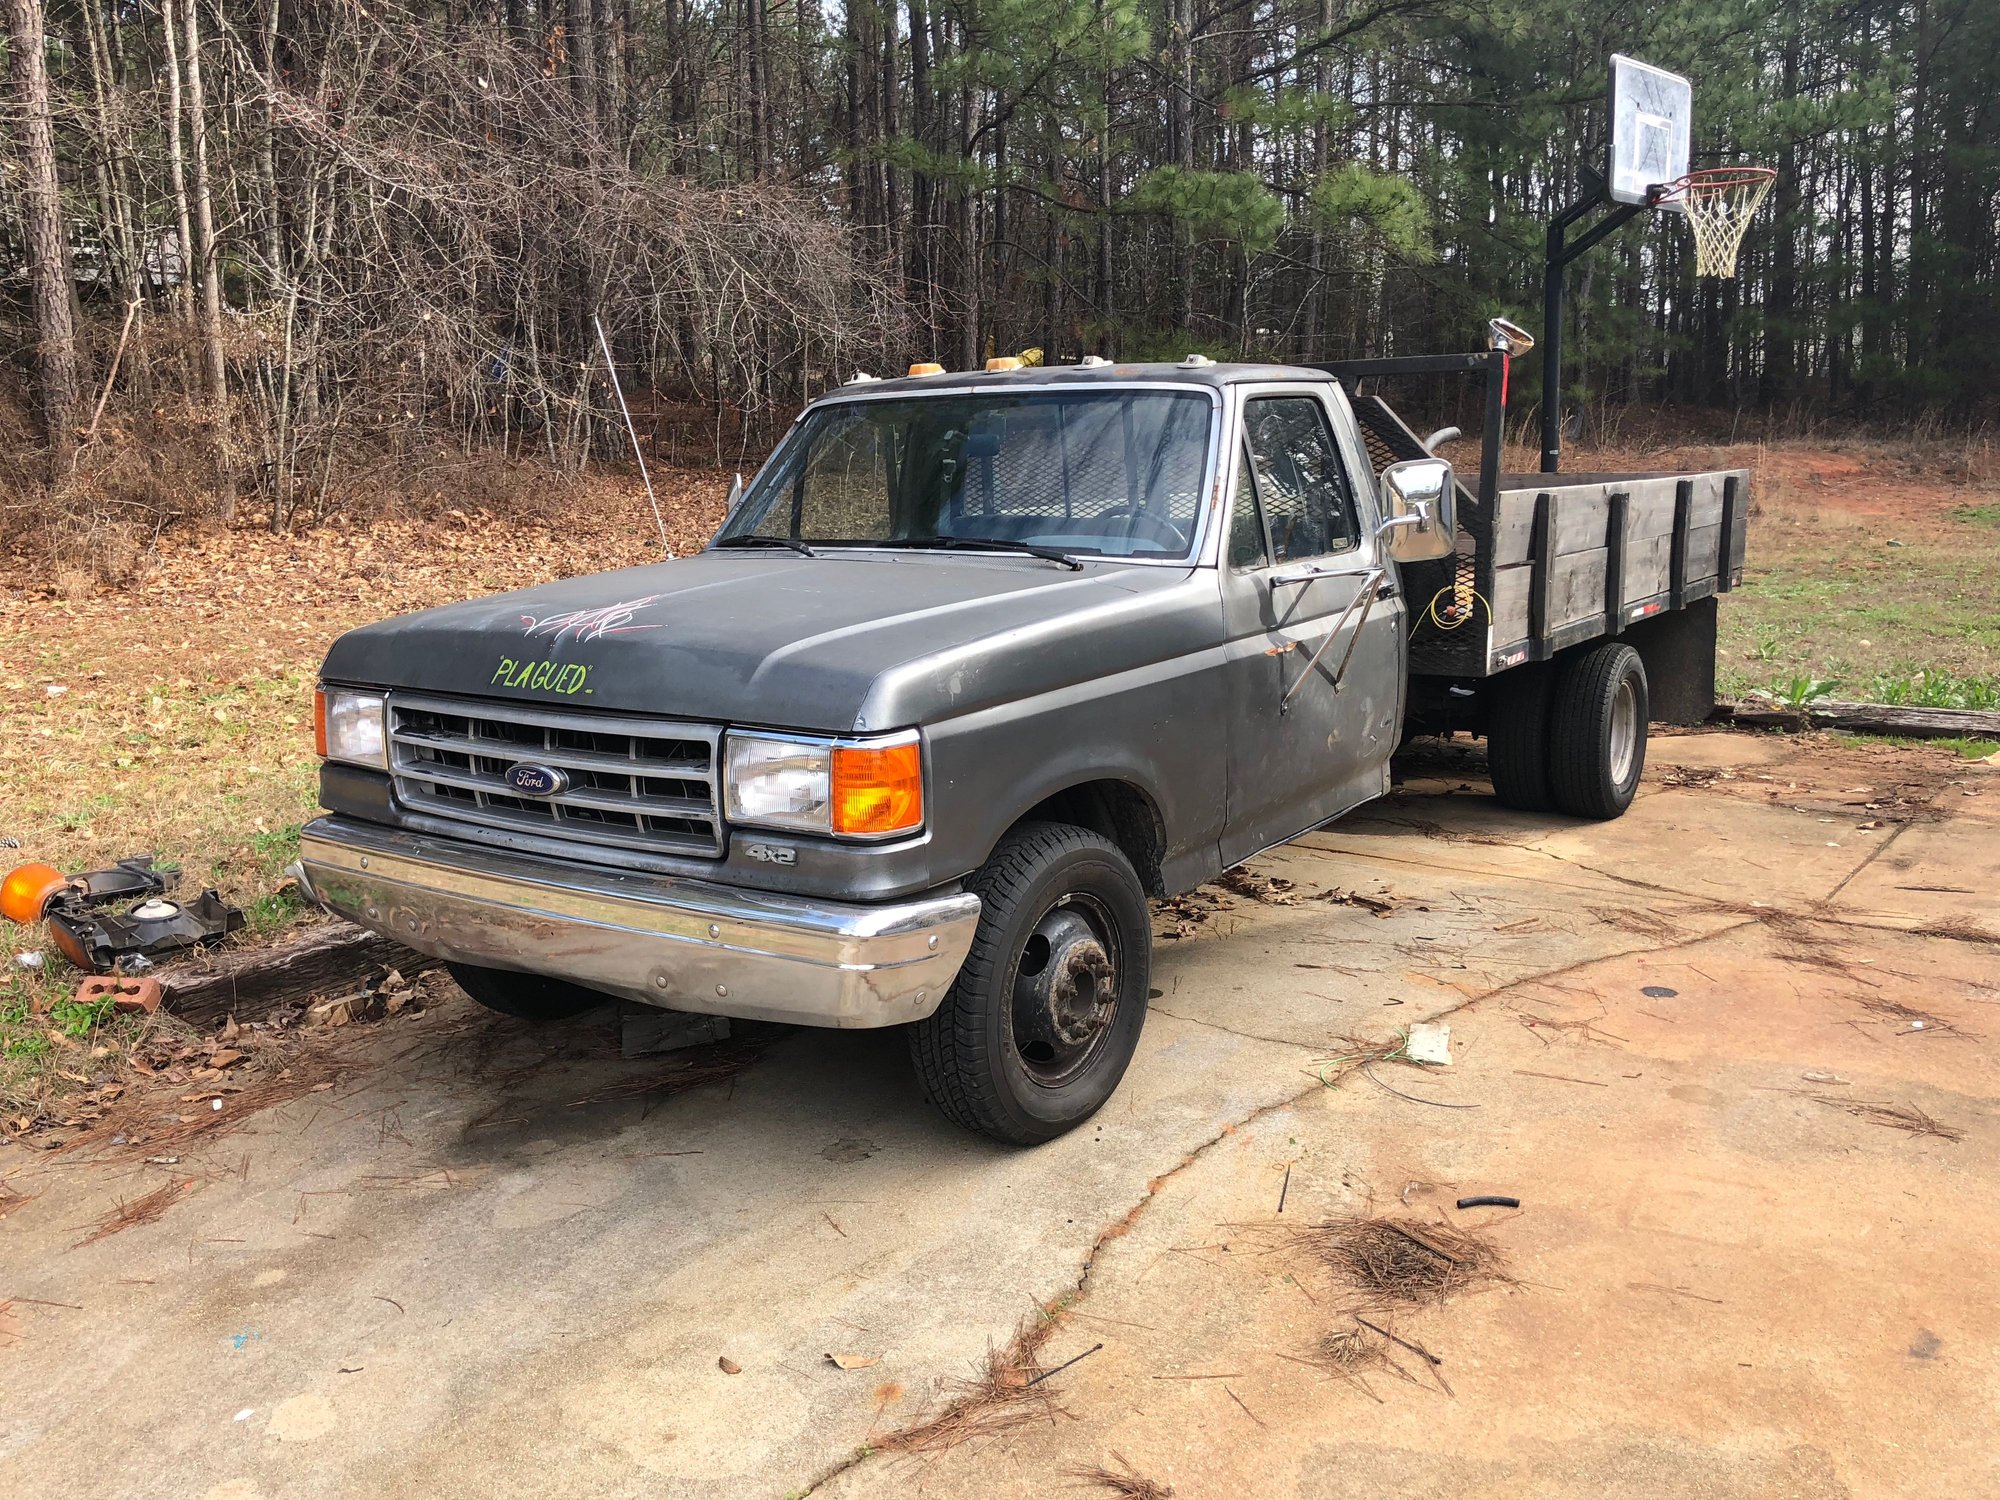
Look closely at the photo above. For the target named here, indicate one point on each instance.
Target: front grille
(632, 783)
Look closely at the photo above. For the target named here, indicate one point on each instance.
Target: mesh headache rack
(629, 783)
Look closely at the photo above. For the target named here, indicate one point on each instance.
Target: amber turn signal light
(878, 789)
(26, 892)
(319, 722)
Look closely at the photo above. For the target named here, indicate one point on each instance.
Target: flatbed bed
(1544, 562)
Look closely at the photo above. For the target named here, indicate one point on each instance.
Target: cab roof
(1202, 376)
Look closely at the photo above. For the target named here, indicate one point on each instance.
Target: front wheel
(531, 997)
(1045, 1013)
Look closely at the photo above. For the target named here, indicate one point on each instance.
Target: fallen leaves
(387, 994)
(853, 1361)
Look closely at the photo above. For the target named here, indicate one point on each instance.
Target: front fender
(1158, 728)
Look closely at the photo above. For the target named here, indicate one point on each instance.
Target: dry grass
(1400, 1261)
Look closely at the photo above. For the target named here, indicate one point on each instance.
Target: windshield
(1112, 473)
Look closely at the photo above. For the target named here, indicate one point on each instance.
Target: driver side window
(1302, 487)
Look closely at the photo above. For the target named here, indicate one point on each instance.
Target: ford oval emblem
(531, 780)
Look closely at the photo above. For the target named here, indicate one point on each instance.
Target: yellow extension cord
(1461, 607)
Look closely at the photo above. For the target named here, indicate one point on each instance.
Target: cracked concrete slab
(484, 1265)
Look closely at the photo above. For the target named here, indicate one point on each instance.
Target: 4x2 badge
(771, 854)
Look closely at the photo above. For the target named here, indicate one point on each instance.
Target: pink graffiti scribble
(589, 624)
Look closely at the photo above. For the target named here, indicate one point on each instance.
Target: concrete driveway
(489, 1262)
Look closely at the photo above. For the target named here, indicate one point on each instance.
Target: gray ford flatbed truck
(976, 665)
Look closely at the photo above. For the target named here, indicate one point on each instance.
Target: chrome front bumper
(682, 944)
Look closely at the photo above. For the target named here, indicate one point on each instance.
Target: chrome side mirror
(1420, 498)
(735, 496)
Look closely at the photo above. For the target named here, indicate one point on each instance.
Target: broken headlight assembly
(350, 725)
(94, 938)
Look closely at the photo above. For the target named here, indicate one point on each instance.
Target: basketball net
(1719, 202)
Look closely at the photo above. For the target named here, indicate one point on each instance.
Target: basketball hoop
(1719, 202)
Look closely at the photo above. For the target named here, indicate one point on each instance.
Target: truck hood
(844, 642)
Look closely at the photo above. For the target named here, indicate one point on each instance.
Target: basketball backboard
(1651, 128)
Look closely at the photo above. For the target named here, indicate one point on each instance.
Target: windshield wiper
(1007, 544)
(751, 539)
(971, 543)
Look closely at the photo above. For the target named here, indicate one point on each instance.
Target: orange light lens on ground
(878, 790)
(26, 891)
(319, 721)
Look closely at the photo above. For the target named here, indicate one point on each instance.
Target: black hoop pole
(1560, 253)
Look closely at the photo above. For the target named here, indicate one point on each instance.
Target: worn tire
(1584, 731)
(965, 1053)
(1517, 738)
(530, 997)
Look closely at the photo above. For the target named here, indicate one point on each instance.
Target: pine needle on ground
(1124, 1480)
(1403, 1261)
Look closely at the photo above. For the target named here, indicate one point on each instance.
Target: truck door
(1299, 560)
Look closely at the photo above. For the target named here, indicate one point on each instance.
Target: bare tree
(208, 257)
(47, 242)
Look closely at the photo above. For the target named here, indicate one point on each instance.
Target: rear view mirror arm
(1419, 517)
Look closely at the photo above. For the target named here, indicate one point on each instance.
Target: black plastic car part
(128, 880)
(102, 941)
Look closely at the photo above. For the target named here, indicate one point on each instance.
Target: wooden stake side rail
(1589, 556)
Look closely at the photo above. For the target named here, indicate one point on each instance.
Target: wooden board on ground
(1870, 718)
(246, 982)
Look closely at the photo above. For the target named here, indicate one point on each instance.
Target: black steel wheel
(1045, 1014)
(530, 997)
(1597, 731)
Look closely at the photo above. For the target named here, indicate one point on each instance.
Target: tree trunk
(1106, 294)
(1315, 304)
(209, 256)
(47, 242)
(183, 290)
(1180, 118)
(757, 51)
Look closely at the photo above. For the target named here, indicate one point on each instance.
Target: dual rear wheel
(1570, 735)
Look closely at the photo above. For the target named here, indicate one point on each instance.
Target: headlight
(348, 726)
(780, 783)
(865, 788)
